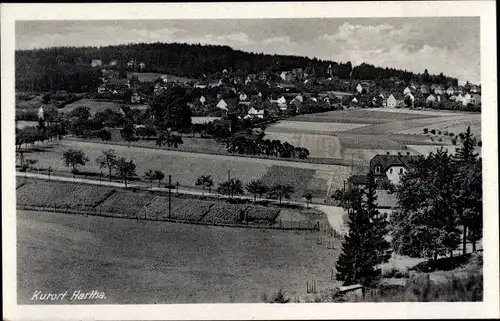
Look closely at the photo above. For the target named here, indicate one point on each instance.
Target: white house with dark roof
(392, 102)
(450, 91)
(252, 112)
(202, 100)
(96, 63)
(222, 105)
(391, 167)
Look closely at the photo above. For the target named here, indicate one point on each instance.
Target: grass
(95, 106)
(318, 145)
(297, 177)
(359, 116)
(165, 263)
(127, 203)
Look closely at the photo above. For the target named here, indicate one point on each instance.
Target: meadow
(184, 167)
(318, 145)
(149, 262)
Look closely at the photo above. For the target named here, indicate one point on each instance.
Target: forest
(68, 68)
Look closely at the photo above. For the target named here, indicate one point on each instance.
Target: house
(40, 112)
(424, 89)
(96, 63)
(329, 70)
(256, 113)
(391, 167)
(460, 99)
(159, 87)
(409, 90)
(354, 100)
(113, 63)
(452, 98)
(412, 98)
(136, 98)
(101, 89)
(299, 98)
(392, 102)
(202, 100)
(142, 65)
(450, 91)
(281, 103)
(467, 99)
(164, 78)
(476, 99)
(243, 97)
(201, 85)
(287, 76)
(430, 99)
(131, 64)
(215, 83)
(359, 88)
(439, 90)
(222, 105)
(474, 89)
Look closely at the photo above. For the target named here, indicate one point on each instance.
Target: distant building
(113, 63)
(164, 78)
(439, 90)
(450, 91)
(474, 89)
(202, 100)
(40, 112)
(354, 100)
(392, 102)
(256, 113)
(243, 97)
(424, 89)
(406, 91)
(430, 99)
(142, 65)
(96, 63)
(222, 105)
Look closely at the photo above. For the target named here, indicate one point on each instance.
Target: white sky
(440, 44)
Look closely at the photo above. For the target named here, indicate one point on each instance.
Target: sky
(440, 44)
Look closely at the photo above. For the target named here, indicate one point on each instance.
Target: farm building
(391, 167)
(354, 100)
(450, 91)
(424, 89)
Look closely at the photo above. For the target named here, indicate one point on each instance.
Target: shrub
(278, 297)
(479, 143)
(445, 133)
(426, 130)
(440, 139)
(439, 132)
(433, 131)
(454, 141)
(451, 134)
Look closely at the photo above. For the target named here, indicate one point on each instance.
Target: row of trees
(440, 206)
(257, 146)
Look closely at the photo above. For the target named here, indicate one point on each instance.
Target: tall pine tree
(356, 263)
(378, 221)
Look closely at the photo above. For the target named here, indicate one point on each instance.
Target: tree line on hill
(68, 68)
(440, 208)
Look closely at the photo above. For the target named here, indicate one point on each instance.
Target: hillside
(69, 68)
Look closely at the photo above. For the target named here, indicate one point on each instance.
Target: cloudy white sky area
(440, 44)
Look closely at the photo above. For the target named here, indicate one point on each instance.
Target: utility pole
(229, 191)
(169, 195)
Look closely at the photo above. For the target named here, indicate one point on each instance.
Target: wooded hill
(68, 68)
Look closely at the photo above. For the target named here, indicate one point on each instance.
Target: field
(152, 76)
(25, 123)
(362, 133)
(61, 195)
(318, 145)
(136, 204)
(157, 262)
(95, 106)
(312, 126)
(184, 167)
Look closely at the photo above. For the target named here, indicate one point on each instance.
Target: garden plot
(125, 203)
(366, 141)
(181, 209)
(61, 195)
(313, 126)
(318, 145)
(427, 149)
(453, 125)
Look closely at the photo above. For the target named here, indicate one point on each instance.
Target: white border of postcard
(484, 9)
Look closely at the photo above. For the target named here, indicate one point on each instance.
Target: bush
(426, 130)
(479, 143)
(433, 131)
(445, 133)
(439, 132)
(454, 141)
(451, 134)
(278, 297)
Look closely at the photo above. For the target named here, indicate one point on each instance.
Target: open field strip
(451, 149)
(152, 262)
(318, 145)
(455, 126)
(418, 112)
(313, 126)
(394, 127)
(361, 116)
